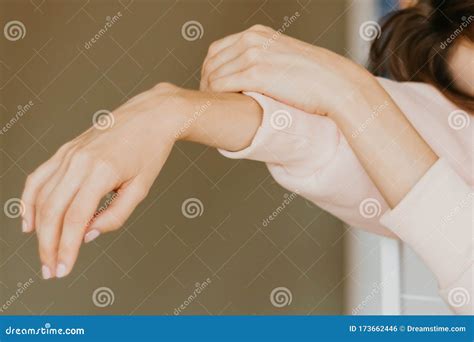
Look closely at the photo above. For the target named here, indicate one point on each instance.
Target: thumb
(118, 211)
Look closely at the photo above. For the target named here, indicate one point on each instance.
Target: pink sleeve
(308, 155)
(436, 219)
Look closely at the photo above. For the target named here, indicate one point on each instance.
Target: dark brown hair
(416, 42)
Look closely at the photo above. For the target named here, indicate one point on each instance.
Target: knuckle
(213, 47)
(164, 86)
(74, 217)
(64, 148)
(81, 158)
(31, 180)
(250, 37)
(260, 28)
(118, 222)
(252, 54)
(41, 200)
(47, 212)
(142, 192)
(209, 63)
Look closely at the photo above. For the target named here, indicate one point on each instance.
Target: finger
(52, 212)
(243, 42)
(118, 211)
(228, 55)
(214, 49)
(225, 42)
(246, 80)
(48, 186)
(242, 62)
(33, 185)
(250, 36)
(77, 216)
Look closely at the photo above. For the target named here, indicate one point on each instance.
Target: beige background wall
(153, 264)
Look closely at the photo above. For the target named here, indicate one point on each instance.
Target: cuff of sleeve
(298, 141)
(435, 219)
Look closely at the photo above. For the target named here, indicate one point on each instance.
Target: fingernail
(61, 271)
(24, 226)
(46, 272)
(93, 234)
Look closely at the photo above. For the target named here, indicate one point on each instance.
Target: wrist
(363, 97)
(173, 111)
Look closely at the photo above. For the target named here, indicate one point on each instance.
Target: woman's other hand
(123, 152)
(263, 60)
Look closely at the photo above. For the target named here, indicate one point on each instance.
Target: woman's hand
(62, 195)
(263, 60)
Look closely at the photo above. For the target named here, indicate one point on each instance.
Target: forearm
(227, 121)
(387, 145)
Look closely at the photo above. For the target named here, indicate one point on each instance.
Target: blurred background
(71, 59)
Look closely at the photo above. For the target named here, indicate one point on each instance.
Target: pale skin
(62, 195)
